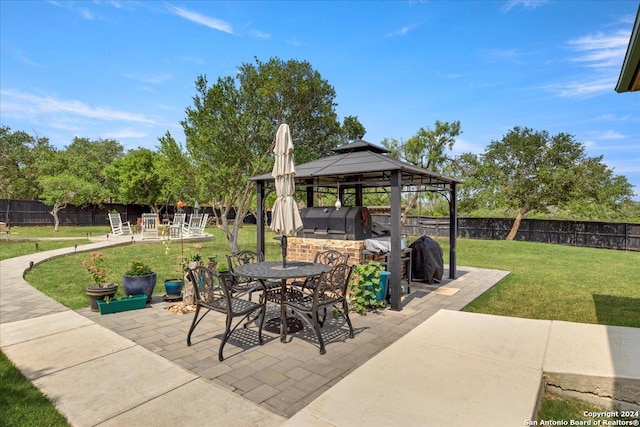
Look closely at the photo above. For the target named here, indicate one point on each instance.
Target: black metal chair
(248, 284)
(329, 257)
(330, 291)
(213, 292)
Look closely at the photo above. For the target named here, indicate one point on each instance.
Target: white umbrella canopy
(286, 219)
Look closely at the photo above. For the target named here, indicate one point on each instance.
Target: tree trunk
(188, 293)
(412, 201)
(516, 223)
(54, 214)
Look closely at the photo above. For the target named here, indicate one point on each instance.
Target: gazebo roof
(361, 162)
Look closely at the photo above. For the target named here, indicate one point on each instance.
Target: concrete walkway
(402, 368)
(97, 377)
(466, 369)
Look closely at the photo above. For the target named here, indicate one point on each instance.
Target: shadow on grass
(621, 311)
(617, 311)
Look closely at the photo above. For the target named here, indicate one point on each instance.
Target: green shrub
(365, 282)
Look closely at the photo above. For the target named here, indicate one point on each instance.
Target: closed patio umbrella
(286, 219)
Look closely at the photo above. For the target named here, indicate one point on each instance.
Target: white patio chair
(196, 225)
(203, 224)
(176, 225)
(149, 226)
(117, 226)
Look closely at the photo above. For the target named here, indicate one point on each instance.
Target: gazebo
(361, 165)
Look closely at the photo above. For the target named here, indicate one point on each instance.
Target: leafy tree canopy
(231, 128)
(138, 177)
(428, 149)
(530, 170)
(19, 154)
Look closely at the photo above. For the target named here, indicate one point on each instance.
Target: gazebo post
(310, 193)
(359, 195)
(396, 231)
(260, 217)
(453, 230)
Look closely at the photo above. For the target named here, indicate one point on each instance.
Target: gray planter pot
(96, 293)
(139, 285)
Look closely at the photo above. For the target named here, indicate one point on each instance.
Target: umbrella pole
(283, 245)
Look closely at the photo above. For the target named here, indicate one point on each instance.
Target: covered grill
(347, 223)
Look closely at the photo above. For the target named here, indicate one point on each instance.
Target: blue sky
(126, 69)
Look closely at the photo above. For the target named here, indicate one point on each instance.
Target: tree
(426, 149)
(231, 127)
(87, 159)
(76, 174)
(176, 170)
(62, 189)
(138, 177)
(19, 154)
(531, 171)
(352, 129)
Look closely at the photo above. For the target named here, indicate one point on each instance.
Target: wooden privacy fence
(610, 235)
(32, 212)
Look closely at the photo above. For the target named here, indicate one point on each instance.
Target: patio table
(273, 270)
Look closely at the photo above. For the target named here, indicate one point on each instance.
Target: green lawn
(547, 281)
(21, 403)
(65, 279)
(557, 282)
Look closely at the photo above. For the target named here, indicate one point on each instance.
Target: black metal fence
(610, 235)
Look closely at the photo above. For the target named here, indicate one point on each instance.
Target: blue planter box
(122, 304)
(381, 295)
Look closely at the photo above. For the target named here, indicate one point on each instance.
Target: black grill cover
(427, 262)
(346, 223)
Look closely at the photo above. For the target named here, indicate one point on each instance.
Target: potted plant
(139, 279)
(99, 289)
(116, 305)
(213, 262)
(223, 270)
(365, 283)
(195, 261)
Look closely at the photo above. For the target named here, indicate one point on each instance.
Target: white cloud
(153, 80)
(582, 89)
(611, 134)
(259, 34)
(86, 14)
(125, 133)
(601, 50)
(402, 31)
(526, 4)
(464, 146)
(18, 104)
(214, 23)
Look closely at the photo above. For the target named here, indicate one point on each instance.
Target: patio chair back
(118, 227)
(196, 225)
(213, 292)
(178, 219)
(331, 257)
(149, 226)
(241, 258)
